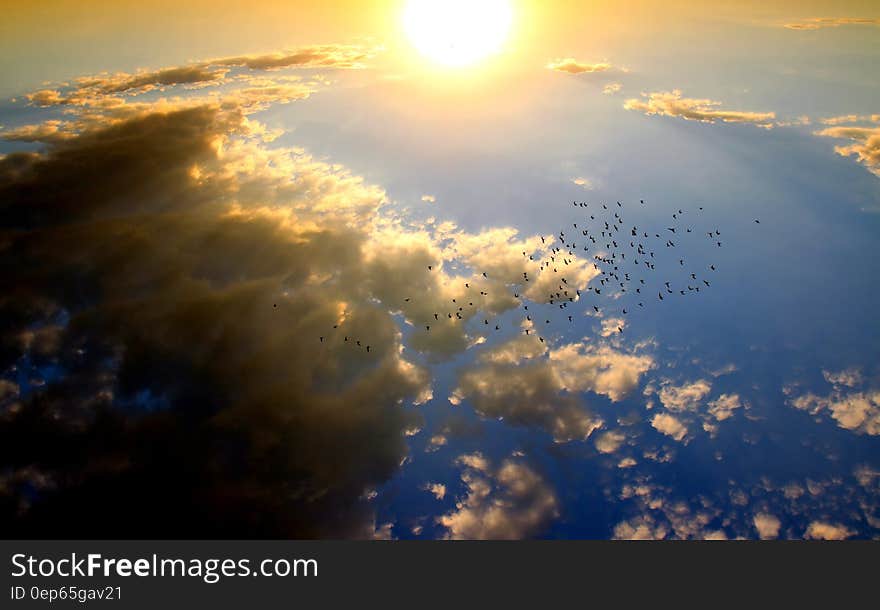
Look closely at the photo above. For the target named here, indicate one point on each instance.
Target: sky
(294, 270)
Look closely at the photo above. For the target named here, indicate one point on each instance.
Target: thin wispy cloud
(671, 103)
(573, 66)
(818, 23)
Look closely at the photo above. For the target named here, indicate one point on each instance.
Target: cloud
(196, 290)
(669, 425)
(767, 526)
(599, 368)
(850, 118)
(817, 23)
(687, 397)
(584, 183)
(194, 271)
(143, 81)
(612, 326)
(609, 442)
(820, 530)
(661, 516)
(866, 475)
(510, 502)
(573, 66)
(517, 383)
(640, 528)
(435, 442)
(855, 411)
(612, 88)
(848, 377)
(316, 56)
(48, 131)
(866, 148)
(687, 402)
(437, 489)
(851, 405)
(527, 395)
(723, 407)
(177, 275)
(95, 110)
(212, 72)
(671, 103)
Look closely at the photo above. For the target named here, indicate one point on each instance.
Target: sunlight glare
(457, 32)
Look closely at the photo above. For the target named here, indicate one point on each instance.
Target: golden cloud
(866, 148)
(515, 382)
(510, 502)
(817, 23)
(670, 426)
(671, 103)
(573, 66)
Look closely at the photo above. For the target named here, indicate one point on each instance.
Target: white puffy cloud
(856, 411)
(609, 442)
(516, 382)
(510, 502)
(821, 530)
(767, 525)
(669, 425)
(627, 462)
(687, 397)
(724, 406)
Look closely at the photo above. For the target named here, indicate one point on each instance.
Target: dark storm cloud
(151, 266)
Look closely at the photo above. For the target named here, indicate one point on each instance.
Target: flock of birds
(623, 256)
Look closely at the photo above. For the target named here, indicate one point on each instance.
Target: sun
(457, 32)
